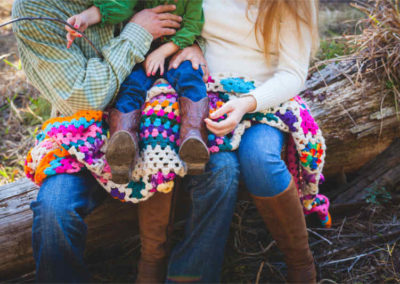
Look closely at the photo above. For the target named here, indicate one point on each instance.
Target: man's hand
(157, 21)
(193, 54)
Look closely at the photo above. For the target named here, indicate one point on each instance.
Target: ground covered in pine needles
(361, 247)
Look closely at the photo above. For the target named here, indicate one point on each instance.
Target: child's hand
(79, 22)
(154, 61)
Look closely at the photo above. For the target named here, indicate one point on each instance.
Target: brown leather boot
(154, 217)
(193, 134)
(284, 218)
(123, 147)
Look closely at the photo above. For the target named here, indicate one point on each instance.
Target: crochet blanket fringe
(70, 144)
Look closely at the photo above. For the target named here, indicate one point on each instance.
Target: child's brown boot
(123, 147)
(193, 134)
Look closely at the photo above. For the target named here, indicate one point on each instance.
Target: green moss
(332, 48)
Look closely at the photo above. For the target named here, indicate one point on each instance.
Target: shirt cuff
(138, 36)
(262, 100)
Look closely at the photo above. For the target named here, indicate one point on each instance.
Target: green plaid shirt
(75, 79)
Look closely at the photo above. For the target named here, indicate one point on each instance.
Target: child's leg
(133, 90)
(193, 105)
(187, 81)
(124, 121)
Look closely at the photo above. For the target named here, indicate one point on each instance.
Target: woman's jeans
(59, 230)
(263, 171)
(186, 81)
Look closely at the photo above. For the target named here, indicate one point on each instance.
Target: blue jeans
(262, 169)
(59, 230)
(186, 81)
(200, 255)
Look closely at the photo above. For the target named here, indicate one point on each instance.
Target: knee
(223, 171)
(186, 70)
(53, 207)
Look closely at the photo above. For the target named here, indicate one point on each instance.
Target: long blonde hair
(271, 12)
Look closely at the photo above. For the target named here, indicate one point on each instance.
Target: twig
(327, 280)
(349, 258)
(259, 272)
(257, 253)
(54, 20)
(353, 245)
(352, 265)
(341, 227)
(318, 235)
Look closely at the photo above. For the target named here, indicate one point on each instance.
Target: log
(381, 172)
(357, 116)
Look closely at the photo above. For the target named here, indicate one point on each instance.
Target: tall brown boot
(123, 147)
(154, 217)
(193, 134)
(284, 218)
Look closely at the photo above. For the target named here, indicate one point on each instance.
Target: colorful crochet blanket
(70, 144)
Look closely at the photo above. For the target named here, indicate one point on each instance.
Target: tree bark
(357, 116)
(382, 173)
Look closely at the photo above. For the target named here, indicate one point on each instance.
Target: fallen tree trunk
(378, 176)
(349, 113)
(357, 116)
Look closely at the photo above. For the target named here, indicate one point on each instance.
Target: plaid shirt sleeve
(66, 77)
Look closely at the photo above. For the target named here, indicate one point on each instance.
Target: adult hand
(235, 110)
(193, 54)
(158, 21)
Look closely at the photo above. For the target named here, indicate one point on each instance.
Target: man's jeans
(59, 231)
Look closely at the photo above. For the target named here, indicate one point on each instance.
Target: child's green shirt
(117, 11)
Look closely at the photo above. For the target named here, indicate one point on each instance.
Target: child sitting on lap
(124, 119)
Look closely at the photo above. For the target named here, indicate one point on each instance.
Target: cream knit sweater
(232, 47)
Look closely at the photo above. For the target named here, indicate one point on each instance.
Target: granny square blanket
(71, 144)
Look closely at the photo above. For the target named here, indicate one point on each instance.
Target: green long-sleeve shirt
(117, 11)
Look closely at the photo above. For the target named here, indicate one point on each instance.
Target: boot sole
(120, 155)
(195, 154)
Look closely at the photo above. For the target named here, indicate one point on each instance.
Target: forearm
(92, 15)
(280, 88)
(72, 82)
(168, 49)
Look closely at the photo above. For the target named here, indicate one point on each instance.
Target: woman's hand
(235, 110)
(193, 54)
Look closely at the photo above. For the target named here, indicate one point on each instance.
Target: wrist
(92, 15)
(169, 48)
(249, 103)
